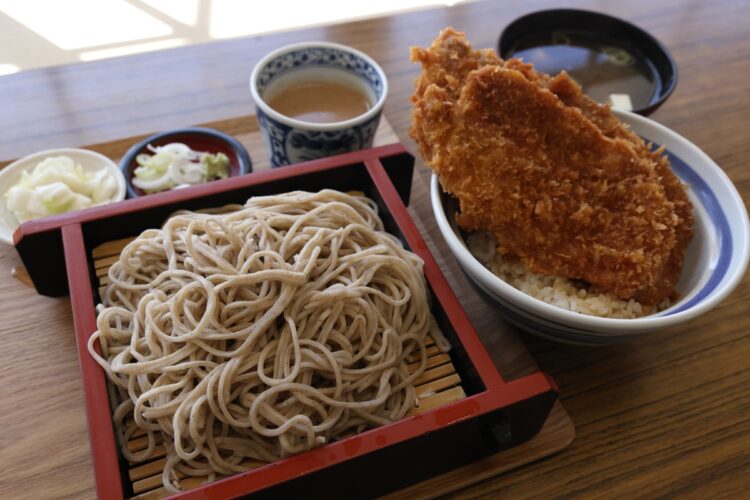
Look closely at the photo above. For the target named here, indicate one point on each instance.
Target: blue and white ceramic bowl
(291, 141)
(715, 262)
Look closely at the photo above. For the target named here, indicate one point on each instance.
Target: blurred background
(40, 33)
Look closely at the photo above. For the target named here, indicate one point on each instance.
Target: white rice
(555, 290)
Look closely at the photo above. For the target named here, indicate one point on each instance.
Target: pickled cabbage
(57, 185)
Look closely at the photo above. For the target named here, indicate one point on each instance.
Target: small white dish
(715, 262)
(91, 161)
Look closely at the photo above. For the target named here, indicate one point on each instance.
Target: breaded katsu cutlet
(562, 184)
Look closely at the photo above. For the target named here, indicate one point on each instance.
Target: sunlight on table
(40, 33)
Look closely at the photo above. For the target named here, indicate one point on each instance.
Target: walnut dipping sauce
(320, 101)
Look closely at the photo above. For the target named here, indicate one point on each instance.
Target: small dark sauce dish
(198, 139)
(651, 56)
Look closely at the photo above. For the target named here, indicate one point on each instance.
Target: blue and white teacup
(290, 140)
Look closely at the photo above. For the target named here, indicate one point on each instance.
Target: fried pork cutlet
(562, 184)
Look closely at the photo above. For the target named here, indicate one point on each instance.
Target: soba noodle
(257, 332)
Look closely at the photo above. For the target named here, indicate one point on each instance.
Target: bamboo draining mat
(439, 384)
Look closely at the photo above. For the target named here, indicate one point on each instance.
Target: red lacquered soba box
(492, 413)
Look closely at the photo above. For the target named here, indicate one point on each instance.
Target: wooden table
(669, 414)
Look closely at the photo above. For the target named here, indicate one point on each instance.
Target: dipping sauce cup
(291, 140)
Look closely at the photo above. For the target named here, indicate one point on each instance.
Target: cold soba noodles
(260, 331)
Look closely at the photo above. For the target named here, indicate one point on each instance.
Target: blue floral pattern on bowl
(287, 143)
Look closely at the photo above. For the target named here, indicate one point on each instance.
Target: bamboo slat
(439, 384)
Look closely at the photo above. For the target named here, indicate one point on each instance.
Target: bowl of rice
(565, 310)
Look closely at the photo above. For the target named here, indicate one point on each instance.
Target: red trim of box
(177, 195)
(98, 416)
(104, 447)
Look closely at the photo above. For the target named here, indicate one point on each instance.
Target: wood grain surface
(668, 414)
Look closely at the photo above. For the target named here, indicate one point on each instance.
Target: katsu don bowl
(715, 261)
